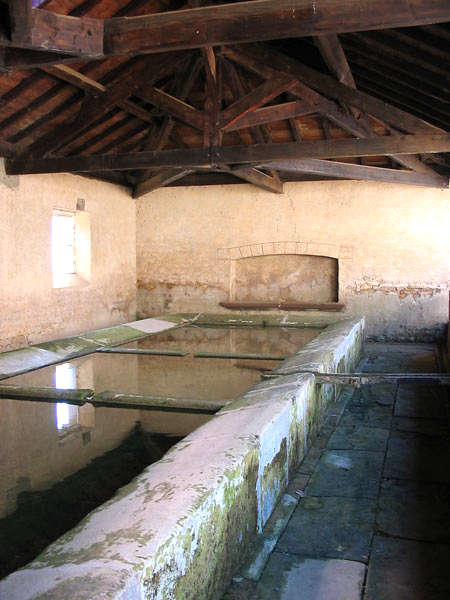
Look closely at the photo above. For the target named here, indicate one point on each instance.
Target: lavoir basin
(182, 526)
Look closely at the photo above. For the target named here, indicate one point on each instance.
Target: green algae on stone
(113, 335)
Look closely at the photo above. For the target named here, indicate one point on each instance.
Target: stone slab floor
(367, 516)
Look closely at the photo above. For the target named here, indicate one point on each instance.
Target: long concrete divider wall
(182, 528)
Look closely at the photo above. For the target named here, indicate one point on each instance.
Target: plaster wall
(31, 310)
(391, 242)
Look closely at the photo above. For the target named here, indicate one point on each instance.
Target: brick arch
(285, 247)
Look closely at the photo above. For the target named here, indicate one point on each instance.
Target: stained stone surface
(359, 438)
(420, 401)
(425, 427)
(369, 416)
(414, 510)
(349, 473)
(330, 527)
(293, 578)
(418, 458)
(408, 570)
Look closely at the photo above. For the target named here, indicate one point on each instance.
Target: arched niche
(286, 278)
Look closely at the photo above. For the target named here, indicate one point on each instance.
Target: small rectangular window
(71, 247)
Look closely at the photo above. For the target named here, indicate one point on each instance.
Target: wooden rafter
(93, 107)
(175, 107)
(361, 172)
(162, 178)
(359, 127)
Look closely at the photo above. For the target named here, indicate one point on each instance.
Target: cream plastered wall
(392, 243)
(31, 310)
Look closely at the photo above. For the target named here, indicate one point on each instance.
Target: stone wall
(390, 240)
(31, 309)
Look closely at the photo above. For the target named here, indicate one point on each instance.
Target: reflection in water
(43, 516)
(65, 379)
(42, 444)
(261, 340)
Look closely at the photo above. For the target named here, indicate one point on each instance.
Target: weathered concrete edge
(177, 531)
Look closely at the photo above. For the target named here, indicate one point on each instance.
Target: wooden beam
(263, 20)
(256, 98)
(21, 58)
(161, 179)
(20, 20)
(260, 305)
(7, 149)
(269, 114)
(175, 107)
(331, 88)
(256, 154)
(212, 134)
(270, 183)
(360, 172)
(158, 137)
(39, 29)
(251, 60)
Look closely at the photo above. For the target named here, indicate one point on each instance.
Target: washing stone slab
(324, 527)
(408, 570)
(347, 473)
(152, 325)
(414, 510)
(288, 577)
(69, 347)
(25, 359)
(113, 336)
(359, 438)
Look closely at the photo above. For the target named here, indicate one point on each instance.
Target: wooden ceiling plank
(255, 99)
(263, 20)
(359, 172)
(256, 154)
(160, 179)
(175, 107)
(95, 107)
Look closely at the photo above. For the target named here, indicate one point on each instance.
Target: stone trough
(182, 528)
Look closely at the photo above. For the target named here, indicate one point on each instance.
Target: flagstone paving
(370, 504)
